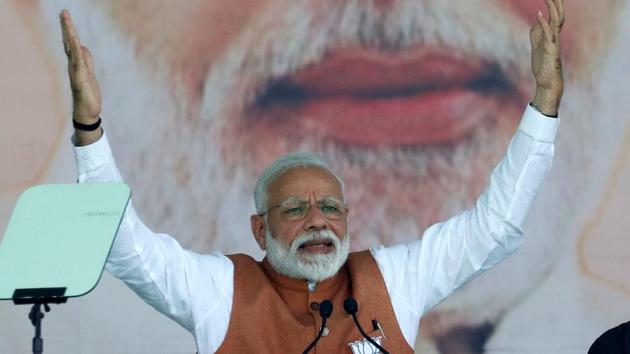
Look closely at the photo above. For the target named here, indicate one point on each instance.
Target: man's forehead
(301, 182)
(295, 200)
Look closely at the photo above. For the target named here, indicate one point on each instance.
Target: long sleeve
(189, 288)
(420, 274)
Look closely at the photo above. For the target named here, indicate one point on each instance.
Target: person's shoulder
(614, 341)
(215, 260)
(242, 257)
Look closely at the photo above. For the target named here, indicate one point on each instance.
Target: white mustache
(315, 235)
(273, 47)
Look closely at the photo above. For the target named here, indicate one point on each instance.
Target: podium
(56, 244)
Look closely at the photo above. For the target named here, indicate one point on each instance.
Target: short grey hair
(282, 165)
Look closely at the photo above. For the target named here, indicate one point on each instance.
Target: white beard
(315, 267)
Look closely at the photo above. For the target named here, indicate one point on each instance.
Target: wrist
(85, 118)
(82, 138)
(86, 127)
(547, 101)
(87, 131)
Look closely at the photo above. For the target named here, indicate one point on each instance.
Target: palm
(546, 64)
(546, 61)
(86, 95)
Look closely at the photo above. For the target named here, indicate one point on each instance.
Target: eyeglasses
(295, 210)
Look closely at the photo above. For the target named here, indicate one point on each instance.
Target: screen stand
(38, 298)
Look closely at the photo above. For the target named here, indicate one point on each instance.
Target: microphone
(325, 310)
(351, 307)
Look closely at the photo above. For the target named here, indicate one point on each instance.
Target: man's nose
(315, 219)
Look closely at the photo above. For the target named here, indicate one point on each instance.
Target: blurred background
(412, 101)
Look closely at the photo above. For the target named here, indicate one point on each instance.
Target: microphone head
(325, 308)
(351, 306)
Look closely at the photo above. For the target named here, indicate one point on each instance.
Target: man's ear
(258, 230)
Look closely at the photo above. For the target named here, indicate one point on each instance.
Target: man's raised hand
(86, 95)
(546, 60)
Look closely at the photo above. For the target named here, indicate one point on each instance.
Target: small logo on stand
(94, 213)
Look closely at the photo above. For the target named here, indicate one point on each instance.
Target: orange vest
(272, 313)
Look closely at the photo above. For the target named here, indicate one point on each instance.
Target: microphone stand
(325, 310)
(351, 307)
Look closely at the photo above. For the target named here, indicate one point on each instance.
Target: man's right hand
(86, 95)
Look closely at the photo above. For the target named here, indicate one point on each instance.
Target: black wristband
(87, 127)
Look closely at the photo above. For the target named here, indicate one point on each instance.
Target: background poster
(413, 101)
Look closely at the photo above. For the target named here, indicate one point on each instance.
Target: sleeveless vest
(273, 313)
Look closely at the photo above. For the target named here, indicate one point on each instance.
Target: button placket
(313, 306)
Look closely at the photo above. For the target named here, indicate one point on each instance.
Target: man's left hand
(546, 61)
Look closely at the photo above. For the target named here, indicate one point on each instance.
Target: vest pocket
(361, 345)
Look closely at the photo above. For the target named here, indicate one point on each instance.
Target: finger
(67, 20)
(64, 34)
(554, 17)
(77, 49)
(70, 36)
(535, 35)
(89, 60)
(76, 60)
(68, 42)
(544, 26)
(560, 6)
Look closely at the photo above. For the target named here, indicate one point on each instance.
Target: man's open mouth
(325, 245)
(369, 97)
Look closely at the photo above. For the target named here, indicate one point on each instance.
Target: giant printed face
(413, 101)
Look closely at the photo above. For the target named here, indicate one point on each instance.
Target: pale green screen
(60, 236)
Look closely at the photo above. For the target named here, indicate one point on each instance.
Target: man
(301, 222)
(614, 341)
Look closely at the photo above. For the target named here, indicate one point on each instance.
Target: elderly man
(236, 304)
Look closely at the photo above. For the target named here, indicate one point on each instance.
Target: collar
(302, 285)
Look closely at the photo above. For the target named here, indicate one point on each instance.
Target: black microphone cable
(325, 310)
(351, 307)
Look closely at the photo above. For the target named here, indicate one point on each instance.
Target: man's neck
(312, 286)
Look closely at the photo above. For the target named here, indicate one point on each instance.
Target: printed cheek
(423, 187)
(30, 133)
(576, 13)
(189, 37)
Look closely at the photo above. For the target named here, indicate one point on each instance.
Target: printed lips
(367, 97)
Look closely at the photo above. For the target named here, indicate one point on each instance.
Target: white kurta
(196, 290)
